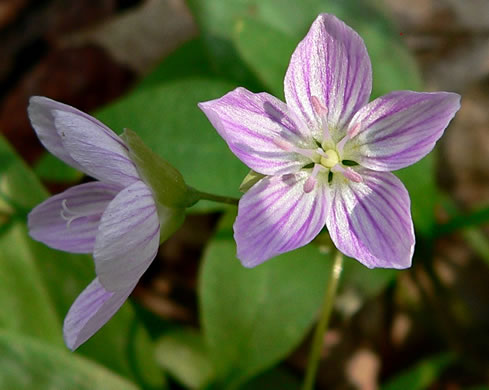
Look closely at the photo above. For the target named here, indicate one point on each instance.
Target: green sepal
(250, 180)
(170, 220)
(166, 182)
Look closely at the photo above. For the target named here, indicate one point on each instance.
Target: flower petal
(276, 215)
(128, 238)
(371, 220)
(256, 126)
(40, 111)
(90, 311)
(332, 64)
(69, 221)
(400, 128)
(98, 150)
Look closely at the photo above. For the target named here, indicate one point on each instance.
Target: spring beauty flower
(326, 153)
(121, 218)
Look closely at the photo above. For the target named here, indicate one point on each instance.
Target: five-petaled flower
(326, 154)
(118, 218)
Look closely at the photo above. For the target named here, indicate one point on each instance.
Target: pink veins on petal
(326, 153)
(115, 218)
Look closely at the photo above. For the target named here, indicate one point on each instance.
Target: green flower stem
(322, 326)
(216, 198)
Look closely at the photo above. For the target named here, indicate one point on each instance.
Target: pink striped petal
(69, 221)
(400, 128)
(40, 111)
(257, 128)
(90, 311)
(276, 215)
(371, 221)
(99, 151)
(128, 238)
(331, 64)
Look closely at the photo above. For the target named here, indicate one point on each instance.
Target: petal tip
(250, 262)
(70, 343)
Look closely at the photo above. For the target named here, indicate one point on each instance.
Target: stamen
(319, 109)
(350, 133)
(287, 146)
(282, 144)
(340, 145)
(322, 112)
(311, 180)
(349, 173)
(354, 130)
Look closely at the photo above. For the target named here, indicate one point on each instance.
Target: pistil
(69, 215)
(329, 158)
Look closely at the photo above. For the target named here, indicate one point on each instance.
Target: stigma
(329, 158)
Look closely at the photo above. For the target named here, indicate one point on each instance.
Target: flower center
(330, 158)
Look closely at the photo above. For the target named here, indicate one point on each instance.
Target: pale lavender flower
(115, 218)
(326, 153)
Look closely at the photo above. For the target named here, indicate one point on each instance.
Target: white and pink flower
(326, 153)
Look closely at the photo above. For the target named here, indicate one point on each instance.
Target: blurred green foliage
(39, 284)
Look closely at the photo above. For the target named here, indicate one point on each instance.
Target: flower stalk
(322, 326)
(215, 198)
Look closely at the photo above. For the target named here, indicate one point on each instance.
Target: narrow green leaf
(27, 363)
(422, 374)
(253, 318)
(478, 241)
(479, 216)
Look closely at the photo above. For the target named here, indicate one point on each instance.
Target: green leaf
(167, 118)
(275, 379)
(393, 66)
(183, 355)
(26, 305)
(217, 18)
(27, 363)
(42, 283)
(50, 168)
(266, 50)
(23, 294)
(422, 374)
(189, 60)
(229, 24)
(253, 318)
